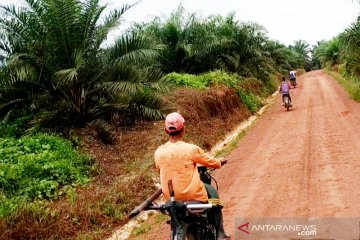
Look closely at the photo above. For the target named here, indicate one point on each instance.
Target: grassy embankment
(350, 84)
(44, 186)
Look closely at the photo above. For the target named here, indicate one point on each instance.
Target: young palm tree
(328, 52)
(351, 51)
(58, 69)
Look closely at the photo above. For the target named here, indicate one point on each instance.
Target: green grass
(350, 84)
(205, 80)
(142, 229)
(230, 146)
(37, 168)
(251, 101)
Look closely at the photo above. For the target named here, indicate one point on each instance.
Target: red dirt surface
(301, 163)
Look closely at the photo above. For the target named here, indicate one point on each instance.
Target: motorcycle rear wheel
(208, 235)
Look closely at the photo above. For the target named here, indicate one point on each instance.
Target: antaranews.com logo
(297, 228)
(300, 229)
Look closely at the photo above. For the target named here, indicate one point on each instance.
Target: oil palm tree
(57, 68)
(328, 52)
(301, 54)
(351, 51)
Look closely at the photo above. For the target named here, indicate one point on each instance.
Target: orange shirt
(177, 162)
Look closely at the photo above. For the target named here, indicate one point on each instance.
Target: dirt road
(301, 163)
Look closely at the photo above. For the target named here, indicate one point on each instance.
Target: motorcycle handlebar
(188, 206)
(199, 206)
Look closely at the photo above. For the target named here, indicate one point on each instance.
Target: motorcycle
(293, 82)
(188, 220)
(287, 102)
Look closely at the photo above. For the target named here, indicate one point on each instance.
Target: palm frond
(111, 21)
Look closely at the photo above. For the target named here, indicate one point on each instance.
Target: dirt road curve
(301, 163)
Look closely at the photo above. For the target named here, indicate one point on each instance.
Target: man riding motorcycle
(292, 76)
(177, 161)
(285, 89)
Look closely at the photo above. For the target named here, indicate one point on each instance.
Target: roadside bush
(252, 102)
(248, 89)
(205, 80)
(38, 167)
(342, 69)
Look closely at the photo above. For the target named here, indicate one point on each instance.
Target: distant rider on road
(292, 76)
(285, 89)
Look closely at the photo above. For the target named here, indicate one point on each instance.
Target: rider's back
(176, 161)
(292, 75)
(285, 88)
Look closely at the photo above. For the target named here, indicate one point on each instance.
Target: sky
(284, 20)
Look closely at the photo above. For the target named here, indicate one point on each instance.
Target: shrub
(14, 128)
(38, 167)
(204, 80)
(252, 102)
(247, 88)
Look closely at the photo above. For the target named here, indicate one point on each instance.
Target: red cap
(174, 122)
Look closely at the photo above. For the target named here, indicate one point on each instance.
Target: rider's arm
(199, 156)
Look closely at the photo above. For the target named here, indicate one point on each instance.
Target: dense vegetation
(56, 75)
(194, 45)
(38, 167)
(54, 66)
(342, 54)
(249, 90)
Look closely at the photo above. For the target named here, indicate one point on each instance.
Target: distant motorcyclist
(285, 89)
(292, 76)
(177, 160)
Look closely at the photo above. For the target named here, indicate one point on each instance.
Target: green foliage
(202, 81)
(252, 102)
(299, 55)
(194, 45)
(351, 50)
(342, 50)
(15, 128)
(350, 83)
(327, 53)
(39, 167)
(188, 80)
(54, 65)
